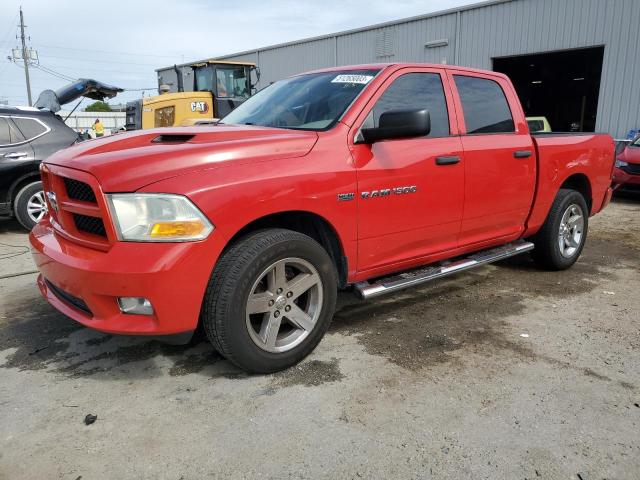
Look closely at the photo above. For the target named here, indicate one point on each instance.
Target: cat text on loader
(200, 93)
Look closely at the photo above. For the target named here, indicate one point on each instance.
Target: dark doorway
(562, 86)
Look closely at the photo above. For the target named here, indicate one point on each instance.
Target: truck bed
(578, 156)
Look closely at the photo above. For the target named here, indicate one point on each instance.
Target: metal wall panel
(535, 26)
(476, 34)
(281, 62)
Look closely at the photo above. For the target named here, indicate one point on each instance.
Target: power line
(11, 29)
(74, 68)
(139, 89)
(100, 61)
(111, 52)
(54, 73)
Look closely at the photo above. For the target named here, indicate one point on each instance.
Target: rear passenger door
(500, 163)
(410, 191)
(35, 132)
(13, 146)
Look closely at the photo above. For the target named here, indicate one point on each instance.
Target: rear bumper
(84, 284)
(620, 178)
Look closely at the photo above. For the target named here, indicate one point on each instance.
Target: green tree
(98, 107)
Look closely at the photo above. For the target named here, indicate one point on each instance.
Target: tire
(29, 205)
(263, 273)
(556, 250)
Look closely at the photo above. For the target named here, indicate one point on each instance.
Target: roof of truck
(397, 65)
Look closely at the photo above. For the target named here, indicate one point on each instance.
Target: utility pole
(25, 57)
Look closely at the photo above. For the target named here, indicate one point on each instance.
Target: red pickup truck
(370, 177)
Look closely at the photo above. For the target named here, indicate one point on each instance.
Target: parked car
(538, 124)
(353, 177)
(27, 136)
(626, 174)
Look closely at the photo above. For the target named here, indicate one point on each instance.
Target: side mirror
(398, 124)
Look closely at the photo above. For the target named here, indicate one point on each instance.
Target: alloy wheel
(284, 305)
(571, 231)
(36, 206)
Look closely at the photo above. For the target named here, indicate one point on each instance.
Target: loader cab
(194, 94)
(229, 83)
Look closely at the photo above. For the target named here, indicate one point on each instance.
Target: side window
(416, 90)
(8, 132)
(5, 135)
(484, 105)
(29, 127)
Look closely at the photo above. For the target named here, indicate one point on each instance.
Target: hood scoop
(173, 138)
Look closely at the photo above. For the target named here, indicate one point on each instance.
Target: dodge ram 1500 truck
(370, 177)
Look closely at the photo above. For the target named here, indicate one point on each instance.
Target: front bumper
(620, 178)
(173, 276)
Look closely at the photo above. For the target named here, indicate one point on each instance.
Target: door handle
(522, 154)
(452, 160)
(16, 155)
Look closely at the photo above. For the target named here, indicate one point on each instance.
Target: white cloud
(122, 43)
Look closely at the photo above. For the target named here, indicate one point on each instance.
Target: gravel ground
(501, 372)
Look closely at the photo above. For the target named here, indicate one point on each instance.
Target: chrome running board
(411, 278)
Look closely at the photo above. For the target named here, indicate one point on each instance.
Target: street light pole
(25, 56)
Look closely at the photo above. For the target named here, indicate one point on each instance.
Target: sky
(125, 42)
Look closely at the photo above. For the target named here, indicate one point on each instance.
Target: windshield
(307, 102)
(232, 81)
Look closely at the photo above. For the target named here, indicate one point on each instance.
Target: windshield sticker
(364, 79)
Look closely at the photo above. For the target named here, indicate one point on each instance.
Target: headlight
(621, 163)
(157, 217)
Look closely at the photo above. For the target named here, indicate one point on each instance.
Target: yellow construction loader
(193, 94)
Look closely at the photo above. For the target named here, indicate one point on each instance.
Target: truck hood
(127, 162)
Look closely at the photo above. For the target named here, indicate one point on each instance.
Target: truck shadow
(428, 325)
(414, 329)
(627, 197)
(37, 337)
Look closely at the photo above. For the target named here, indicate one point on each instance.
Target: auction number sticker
(364, 79)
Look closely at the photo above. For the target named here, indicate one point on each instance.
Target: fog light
(135, 305)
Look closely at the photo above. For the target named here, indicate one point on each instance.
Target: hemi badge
(346, 197)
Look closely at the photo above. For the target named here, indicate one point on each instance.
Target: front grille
(632, 168)
(87, 224)
(66, 297)
(77, 190)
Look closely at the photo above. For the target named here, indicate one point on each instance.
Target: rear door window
(484, 105)
(9, 134)
(29, 127)
(416, 90)
(5, 135)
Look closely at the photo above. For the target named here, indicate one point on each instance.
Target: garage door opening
(561, 86)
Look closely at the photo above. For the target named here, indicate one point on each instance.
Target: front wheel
(270, 300)
(561, 239)
(30, 205)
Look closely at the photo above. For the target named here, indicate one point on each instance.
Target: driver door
(410, 191)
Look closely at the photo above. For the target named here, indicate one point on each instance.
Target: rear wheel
(30, 205)
(561, 239)
(270, 300)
